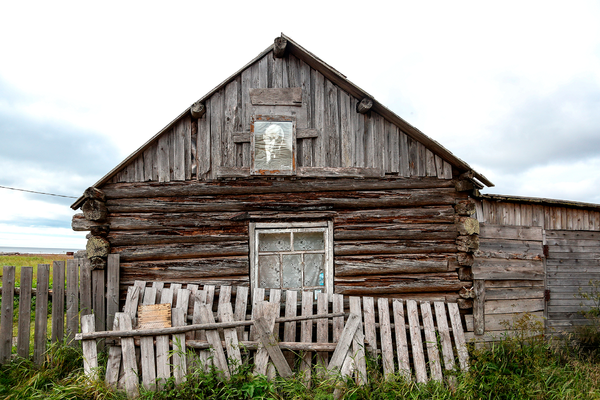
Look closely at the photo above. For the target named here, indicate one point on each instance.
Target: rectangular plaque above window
(273, 145)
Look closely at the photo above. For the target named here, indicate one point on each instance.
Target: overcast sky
(511, 87)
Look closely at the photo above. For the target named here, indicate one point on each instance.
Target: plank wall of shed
(391, 237)
(516, 270)
(209, 148)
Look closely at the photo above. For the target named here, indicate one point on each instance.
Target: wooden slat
(178, 355)
(90, 355)
(433, 353)
(401, 342)
(99, 300)
(163, 367)
(72, 300)
(269, 342)
(6, 318)
(459, 336)
(338, 322)
(358, 344)
(24, 332)
(113, 363)
(306, 335)
(41, 313)
(369, 319)
(147, 348)
(267, 311)
(343, 345)
(202, 297)
(258, 295)
(275, 298)
(231, 338)
(416, 341)
(58, 301)
(241, 303)
(479, 306)
(322, 328)
(85, 287)
(289, 328)
(112, 289)
(444, 334)
(129, 358)
(385, 331)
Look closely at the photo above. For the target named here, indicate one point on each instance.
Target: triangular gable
(183, 137)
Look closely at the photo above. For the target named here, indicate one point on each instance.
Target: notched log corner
(465, 274)
(197, 110)
(364, 106)
(465, 259)
(95, 194)
(465, 208)
(467, 226)
(465, 304)
(467, 244)
(464, 185)
(94, 210)
(279, 46)
(97, 247)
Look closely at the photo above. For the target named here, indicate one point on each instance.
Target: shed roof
(337, 78)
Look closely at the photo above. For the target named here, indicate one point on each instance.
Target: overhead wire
(33, 191)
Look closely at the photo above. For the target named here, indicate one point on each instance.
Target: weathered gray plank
(6, 318)
(90, 355)
(416, 341)
(241, 302)
(479, 306)
(459, 336)
(433, 353)
(112, 289)
(231, 338)
(358, 344)
(24, 330)
(163, 367)
(99, 300)
(385, 331)
(369, 319)
(269, 342)
(85, 287)
(267, 311)
(401, 342)
(306, 335)
(41, 313)
(72, 300)
(129, 358)
(322, 327)
(113, 363)
(444, 334)
(58, 301)
(212, 336)
(343, 345)
(147, 348)
(179, 349)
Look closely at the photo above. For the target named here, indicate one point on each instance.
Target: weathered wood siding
(510, 261)
(391, 237)
(545, 216)
(573, 261)
(331, 133)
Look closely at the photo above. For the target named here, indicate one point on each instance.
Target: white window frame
(283, 227)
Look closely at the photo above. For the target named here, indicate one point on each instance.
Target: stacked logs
(467, 242)
(94, 209)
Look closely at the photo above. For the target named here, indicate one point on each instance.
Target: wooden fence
(316, 335)
(76, 291)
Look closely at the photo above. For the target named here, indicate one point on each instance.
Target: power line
(32, 191)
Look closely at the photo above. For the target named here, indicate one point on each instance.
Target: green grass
(30, 260)
(510, 369)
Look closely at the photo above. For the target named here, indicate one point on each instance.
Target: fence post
(58, 301)
(85, 287)
(41, 313)
(24, 333)
(72, 301)
(112, 289)
(6, 318)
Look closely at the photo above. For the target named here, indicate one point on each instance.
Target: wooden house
(287, 175)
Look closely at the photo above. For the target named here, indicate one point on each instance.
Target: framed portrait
(273, 145)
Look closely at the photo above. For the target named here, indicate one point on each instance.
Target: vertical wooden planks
(179, 362)
(90, 353)
(322, 328)
(379, 140)
(289, 328)
(394, 143)
(24, 332)
(320, 143)
(231, 338)
(347, 136)
(162, 155)
(433, 354)
(163, 367)
(385, 331)
(479, 306)
(149, 156)
(6, 317)
(113, 364)
(401, 342)
(359, 129)
(338, 322)
(216, 348)
(416, 341)
(98, 299)
(72, 300)
(41, 313)
(459, 336)
(216, 131)
(404, 156)
(178, 142)
(268, 311)
(306, 335)
(275, 298)
(370, 332)
(241, 304)
(58, 301)
(112, 289)
(129, 359)
(203, 145)
(245, 114)
(230, 123)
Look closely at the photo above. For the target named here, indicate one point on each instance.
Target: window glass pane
(309, 241)
(292, 271)
(268, 272)
(274, 241)
(313, 270)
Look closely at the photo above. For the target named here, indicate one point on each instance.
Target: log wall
(397, 241)
(331, 133)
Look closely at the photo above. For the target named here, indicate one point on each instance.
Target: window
(292, 256)
(273, 145)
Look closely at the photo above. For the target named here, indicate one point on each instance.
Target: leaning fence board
(306, 335)
(385, 331)
(231, 339)
(216, 348)
(72, 300)
(275, 298)
(114, 359)
(289, 328)
(58, 301)
(6, 321)
(416, 341)
(163, 367)
(85, 294)
(322, 328)
(241, 304)
(24, 333)
(343, 346)
(269, 343)
(112, 289)
(179, 362)
(90, 355)
(41, 313)
(444, 334)
(268, 311)
(459, 336)
(401, 342)
(98, 299)
(433, 353)
(129, 359)
(358, 344)
(147, 346)
(370, 331)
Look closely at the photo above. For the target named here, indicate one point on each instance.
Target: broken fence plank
(178, 357)
(270, 345)
(416, 341)
(433, 353)
(129, 359)
(90, 352)
(385, 331)
(401, 342)
(343, 346)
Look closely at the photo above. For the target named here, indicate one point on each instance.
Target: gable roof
(337, 78)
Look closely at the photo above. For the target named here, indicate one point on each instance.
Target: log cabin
(287, 175)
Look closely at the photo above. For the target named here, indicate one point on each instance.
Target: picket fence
(305, 331)
(76, 291)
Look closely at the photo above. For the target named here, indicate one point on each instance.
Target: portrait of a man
(273, 146)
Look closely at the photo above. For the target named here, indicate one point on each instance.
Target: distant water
(35, 250)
